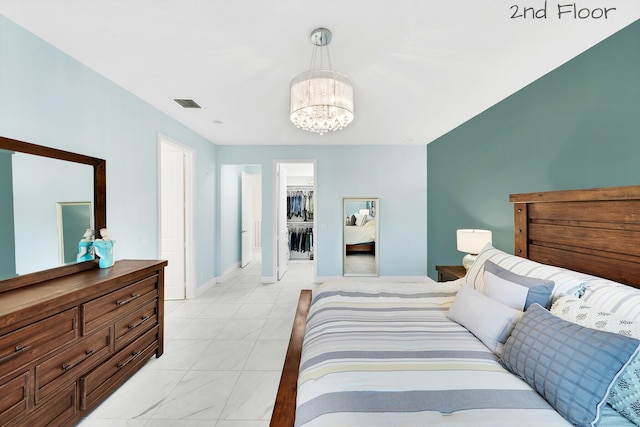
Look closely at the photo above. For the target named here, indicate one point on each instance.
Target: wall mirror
(360, 236)
(34, 182)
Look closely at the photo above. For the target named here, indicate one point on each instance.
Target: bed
(454, 379)
(360, 238)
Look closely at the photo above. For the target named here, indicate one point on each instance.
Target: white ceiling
(420, 67)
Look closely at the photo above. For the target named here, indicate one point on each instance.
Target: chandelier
(321, 99)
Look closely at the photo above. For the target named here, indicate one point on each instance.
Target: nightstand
(450, 272)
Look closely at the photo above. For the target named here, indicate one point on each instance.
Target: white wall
(395, 174)
(48, 98)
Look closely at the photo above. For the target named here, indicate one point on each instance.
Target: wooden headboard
(594, 231)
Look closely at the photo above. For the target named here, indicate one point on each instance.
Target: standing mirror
(360, 236)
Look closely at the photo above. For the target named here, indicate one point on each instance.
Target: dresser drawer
(107, 308)
(26, 344)
(71, 363)
(55, 412)
(133, 325)
(95, 385)
(14, 395)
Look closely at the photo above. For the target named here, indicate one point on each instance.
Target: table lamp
(471, 241)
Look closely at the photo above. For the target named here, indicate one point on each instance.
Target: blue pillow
(514, 290)
(571, 366)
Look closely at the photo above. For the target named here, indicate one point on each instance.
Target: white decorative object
(321, 99)
(471, 241)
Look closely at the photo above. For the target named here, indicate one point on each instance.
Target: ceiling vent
(187, 103)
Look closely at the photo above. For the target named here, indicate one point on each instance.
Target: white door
(283, 231)
(247, 219)
(172, 214)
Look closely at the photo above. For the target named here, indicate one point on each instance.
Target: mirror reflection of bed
(360, 236)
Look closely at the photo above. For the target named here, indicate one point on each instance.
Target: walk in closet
(300, 208)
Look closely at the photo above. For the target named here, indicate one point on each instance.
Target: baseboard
(397, 279)
(268, 279)
(231, 269)
(203, 288)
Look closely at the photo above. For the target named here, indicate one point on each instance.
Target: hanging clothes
(300, 239)
(300, 204)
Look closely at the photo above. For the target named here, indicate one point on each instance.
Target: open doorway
(295, 205)
(175, 222)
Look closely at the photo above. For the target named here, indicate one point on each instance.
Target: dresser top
(30, 303)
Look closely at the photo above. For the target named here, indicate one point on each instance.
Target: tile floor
(222, 361)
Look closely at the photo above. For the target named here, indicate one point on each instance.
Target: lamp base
(468, 260)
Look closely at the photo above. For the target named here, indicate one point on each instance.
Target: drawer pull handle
(142, 320)
(134, 354)
(18, 350)
(127, 301)
(87, 355)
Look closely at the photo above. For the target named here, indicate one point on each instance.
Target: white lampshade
(321, 99)
(471, 241)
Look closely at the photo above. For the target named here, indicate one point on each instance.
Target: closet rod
(299, 187)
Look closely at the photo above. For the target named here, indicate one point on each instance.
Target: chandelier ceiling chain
(321, 99)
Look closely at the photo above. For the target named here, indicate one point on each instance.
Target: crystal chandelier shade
(321, 99)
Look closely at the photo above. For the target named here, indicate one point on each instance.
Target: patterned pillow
(624, 396)
(571, 366)
(614, 297)
(576, 310)
(567, 282)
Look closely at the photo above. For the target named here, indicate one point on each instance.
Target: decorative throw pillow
(514, 290)
(624, 396)
(353, 220)
(576, 310)
(567, 282)
(487, 319)
(615, 297)
(571, 366)
(361, 220)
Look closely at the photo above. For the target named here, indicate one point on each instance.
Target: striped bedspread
(379, 354)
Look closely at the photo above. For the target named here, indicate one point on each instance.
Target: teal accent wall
(7, 236)
(48, 98)
(397, 175)
(576, 127)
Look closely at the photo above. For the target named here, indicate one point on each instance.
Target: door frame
(189, 170)
(246, 184)
(276, 212)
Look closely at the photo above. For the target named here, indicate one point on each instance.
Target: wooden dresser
(67, 343)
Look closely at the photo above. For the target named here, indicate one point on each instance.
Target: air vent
(187, 103)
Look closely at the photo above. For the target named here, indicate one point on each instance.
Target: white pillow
(567, 282)
(489, 320)
(514, 290)
(361, 220)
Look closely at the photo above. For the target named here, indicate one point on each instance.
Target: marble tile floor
(222, 361)
(360, 263)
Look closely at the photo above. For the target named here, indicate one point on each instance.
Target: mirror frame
(346, 200)
(99, 207)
